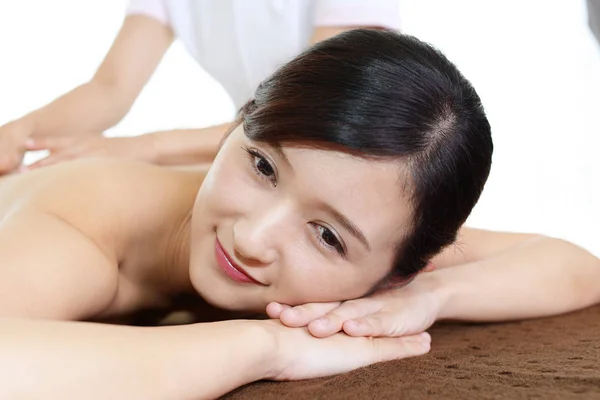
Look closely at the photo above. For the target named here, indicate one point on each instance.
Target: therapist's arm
(185, 146)
(103, 101)
(193, 146)
(94, 106)
(321, 33)
(190, 146)
(170, 147)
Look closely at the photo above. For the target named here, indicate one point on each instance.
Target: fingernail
(352, 324)
(276, 307)
(425, 336)
(322, 322)
(292, 312)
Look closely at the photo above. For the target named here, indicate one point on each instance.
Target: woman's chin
(221, 293)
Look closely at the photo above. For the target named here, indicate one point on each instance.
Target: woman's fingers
(302, 315)
(302, 356)
(379, 324)
(334, 320)
(387, 349)
(366, 326)
(274, 309)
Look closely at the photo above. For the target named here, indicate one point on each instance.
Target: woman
(226, 38)
(353, 165)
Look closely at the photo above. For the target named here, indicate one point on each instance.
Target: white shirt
(241, 42)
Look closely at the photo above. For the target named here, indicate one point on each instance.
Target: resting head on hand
(352, 166)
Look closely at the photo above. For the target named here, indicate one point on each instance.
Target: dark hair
(381, 94)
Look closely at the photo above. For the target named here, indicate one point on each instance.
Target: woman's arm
(477, 244)
(75, 360)
(507, 276)
(488, 276)
(50, 269)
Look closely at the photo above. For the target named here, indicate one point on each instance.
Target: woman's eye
(262, 166)
(327, 237)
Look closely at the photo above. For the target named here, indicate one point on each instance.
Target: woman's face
(293, 225)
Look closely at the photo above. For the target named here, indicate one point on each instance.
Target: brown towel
(551, 358)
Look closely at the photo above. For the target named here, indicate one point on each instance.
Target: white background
(534, 63)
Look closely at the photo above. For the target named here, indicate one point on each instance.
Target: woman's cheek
(320, 283)
(235, 188)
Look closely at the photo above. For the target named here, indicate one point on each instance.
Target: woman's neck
(175, 272)
(159, 256)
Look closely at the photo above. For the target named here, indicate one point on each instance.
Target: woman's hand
(299, 355)
(391, 313)
(70, 148)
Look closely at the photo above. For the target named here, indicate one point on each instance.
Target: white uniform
(241, 42)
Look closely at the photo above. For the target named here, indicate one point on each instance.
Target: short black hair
(382, 94)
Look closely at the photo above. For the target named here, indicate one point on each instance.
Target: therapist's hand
(12, 145)
(70, 148)
(391, 313)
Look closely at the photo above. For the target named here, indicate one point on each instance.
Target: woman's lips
(230, 268)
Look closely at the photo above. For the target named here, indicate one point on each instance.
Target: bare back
(83, 240)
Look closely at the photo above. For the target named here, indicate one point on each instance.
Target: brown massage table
(550, 358)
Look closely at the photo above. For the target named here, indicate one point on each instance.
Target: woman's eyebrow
(341, 218)
(348, 225)
(279, 150)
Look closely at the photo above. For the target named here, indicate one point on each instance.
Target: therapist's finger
(51, 159)
(48, 143)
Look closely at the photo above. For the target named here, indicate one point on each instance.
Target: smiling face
(293, 225)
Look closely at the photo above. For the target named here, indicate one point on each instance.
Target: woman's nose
(258, 238)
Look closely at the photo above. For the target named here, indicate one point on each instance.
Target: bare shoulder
(94, 184)
(61, 229)
(107, 200)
